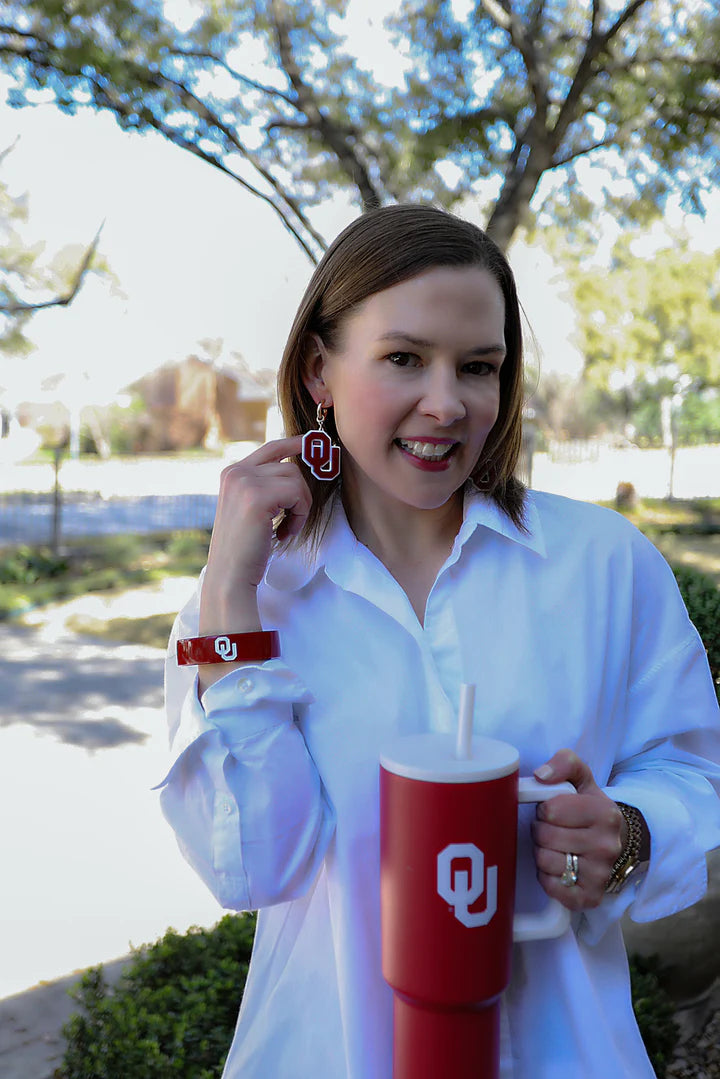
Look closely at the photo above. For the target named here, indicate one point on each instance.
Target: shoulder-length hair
(380, 249)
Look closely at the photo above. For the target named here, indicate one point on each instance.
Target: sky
(195, 256)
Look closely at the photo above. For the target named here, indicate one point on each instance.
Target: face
(415, 386)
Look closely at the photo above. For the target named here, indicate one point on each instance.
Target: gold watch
(629, 860)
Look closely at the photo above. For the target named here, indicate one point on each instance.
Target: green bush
(702, 599)
(174, 1010)
(25, 565)
(172, 1013)
(654, 1012)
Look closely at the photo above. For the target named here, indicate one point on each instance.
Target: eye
(403, 359)
(480, 367)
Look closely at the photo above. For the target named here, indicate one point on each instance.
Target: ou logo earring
(319, 452)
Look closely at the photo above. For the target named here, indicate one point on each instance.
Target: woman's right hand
(253, 492)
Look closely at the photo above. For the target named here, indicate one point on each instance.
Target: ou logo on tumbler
(320, 455)
(226, 651)
(460, 890)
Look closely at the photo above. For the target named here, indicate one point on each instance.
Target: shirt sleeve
(669, 767)
(242, 794)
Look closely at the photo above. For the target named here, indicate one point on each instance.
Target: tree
(649, 329)
(519, 94)
(26, 284)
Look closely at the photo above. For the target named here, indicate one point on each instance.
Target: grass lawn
(154, 630)
(686, 532)
(32, 577)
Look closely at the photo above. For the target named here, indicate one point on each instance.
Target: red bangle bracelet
(229, 648)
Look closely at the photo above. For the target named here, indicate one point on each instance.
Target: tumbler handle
(555, 918)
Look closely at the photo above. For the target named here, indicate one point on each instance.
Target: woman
(424, 565)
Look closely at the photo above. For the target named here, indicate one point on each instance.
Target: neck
(404, 536)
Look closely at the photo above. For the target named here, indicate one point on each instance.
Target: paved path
(89, 866)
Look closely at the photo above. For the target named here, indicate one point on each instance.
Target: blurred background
(170, 172)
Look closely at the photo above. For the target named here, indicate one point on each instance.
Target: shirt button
(227, 808)
(245, 685)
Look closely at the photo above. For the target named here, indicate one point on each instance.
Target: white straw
(463, 748)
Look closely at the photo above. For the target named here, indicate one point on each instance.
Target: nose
(442, 397)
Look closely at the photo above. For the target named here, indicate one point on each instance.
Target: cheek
(488, 406)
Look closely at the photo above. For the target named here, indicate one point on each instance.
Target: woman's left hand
(587, 824)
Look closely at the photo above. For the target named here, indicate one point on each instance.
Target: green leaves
(652, 312)
(280, 97)
(172, 1013)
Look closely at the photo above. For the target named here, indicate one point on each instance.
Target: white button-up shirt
(575, 635)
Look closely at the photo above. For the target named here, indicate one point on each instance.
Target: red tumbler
(448, 847)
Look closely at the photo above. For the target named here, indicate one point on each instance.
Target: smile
(427, 451)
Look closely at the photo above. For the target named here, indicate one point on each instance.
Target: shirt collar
(479, 510)
(339, 549)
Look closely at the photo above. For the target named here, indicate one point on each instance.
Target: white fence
(144, 494)
(696, 473)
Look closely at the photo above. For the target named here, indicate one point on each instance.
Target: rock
(625, 497)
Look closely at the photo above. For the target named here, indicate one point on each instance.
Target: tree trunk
(517, 192)
(57, 502)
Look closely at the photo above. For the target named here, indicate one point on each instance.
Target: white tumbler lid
(431, 757)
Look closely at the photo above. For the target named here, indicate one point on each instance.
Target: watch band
(229, 648)
(629, 858)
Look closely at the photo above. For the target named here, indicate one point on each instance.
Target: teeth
(427, 450)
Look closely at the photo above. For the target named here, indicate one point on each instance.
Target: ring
(570, 873)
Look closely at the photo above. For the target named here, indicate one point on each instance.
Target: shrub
(25, 565)
(172, 1013)
(174, 1010)
(702, 599)
(654, 1012)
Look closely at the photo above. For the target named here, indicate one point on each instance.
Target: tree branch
(179, 139)
(107, 96)
(199, 54)
(595, 45)
(330, 133)
(8, 149)
(503, 14)
(200, 109)
(558, 162)
(497, 13)
(18, 307)
(287, 125)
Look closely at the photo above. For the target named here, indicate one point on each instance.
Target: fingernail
(544, 771)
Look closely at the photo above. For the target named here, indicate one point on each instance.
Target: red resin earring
(319, 452)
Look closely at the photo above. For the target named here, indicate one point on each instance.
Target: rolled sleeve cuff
(241, 705)
(677, 873)
(253, 699)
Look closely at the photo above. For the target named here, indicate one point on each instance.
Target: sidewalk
(90, 868)
(31, 1041)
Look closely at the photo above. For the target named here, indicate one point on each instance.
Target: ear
(315, 370)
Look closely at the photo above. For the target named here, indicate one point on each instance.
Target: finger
(578, 840)
(591, 874)
(276, 450)
(599, 844)
(579, 811)
(575, 898)
(565, 765)
(596, 812)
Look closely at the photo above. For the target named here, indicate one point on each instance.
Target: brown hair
(379, 250)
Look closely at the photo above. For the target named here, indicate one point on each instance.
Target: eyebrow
(481, 350)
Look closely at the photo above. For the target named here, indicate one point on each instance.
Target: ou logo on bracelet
(226, 651)
(460, 889)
